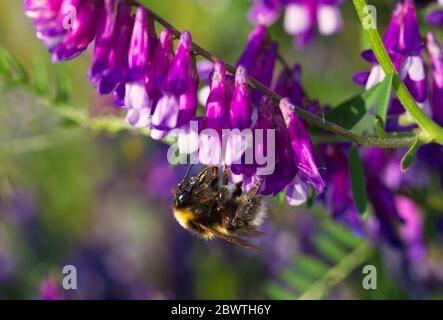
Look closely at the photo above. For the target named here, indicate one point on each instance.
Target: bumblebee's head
(183, 195)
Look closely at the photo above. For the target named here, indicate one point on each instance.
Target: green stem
(431, 130)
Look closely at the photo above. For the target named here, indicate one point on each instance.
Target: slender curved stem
(431, 130)
(391, 142)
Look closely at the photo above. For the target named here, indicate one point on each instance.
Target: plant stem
(431, 130)
(391, 142)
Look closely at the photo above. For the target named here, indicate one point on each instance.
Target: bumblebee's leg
(225, 176)
(238, 190)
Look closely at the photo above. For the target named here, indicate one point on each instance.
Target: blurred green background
(99, 198)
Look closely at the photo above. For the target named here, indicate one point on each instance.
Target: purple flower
(81, 30)
(285, 166)
(436, 58)
(303, 16)
(339, 198)
(216, 115)
(49, 289)
(137, 99)
(303, 149)
(115, 74)
(161, 61)
(240, 110)
(403, 43)
(288, 85)
(179, 77)
(435, 17)
(103, 41)
(251, 58)
(411, 230)
(264, 12)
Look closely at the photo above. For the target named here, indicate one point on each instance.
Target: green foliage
(355, 114)
(410, 155)
(384, 97)
(312, 276)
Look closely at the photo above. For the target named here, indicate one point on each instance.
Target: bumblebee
(208, 206)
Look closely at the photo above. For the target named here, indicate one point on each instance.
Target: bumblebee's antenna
(188, 171)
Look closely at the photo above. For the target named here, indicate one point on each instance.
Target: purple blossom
(303, 149)
(436, 57)
(264, 12)
(240, 110)
(302, 17)
(82, 30)
(435, 17)
(404, 45)
(339, 198)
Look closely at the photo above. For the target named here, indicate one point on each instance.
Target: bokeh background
(79, 190)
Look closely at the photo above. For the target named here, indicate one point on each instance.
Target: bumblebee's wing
(231, 239)
(252, 234)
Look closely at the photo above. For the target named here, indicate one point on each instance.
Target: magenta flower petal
(240, 110)
(264, 12)
(179, 76)
(302, 145)
(82, 32)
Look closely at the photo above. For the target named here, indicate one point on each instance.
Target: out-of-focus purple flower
(435, 17)
(303, 149)
(411, 230)
(264, 12)
(252, 56)
(302, 17)
(49, 289)
(80, 27)
(289, 85)
(381, 198)
(339, 197)
(436, 57)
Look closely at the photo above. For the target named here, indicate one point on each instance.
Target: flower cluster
(301, 17)
(158, 87)
(405, 48)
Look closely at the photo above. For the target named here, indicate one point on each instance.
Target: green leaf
(63, 90)
(379, 127)
(15, 69)
(329, 249)
(342, 234)
(295, 280)
(280, 198)
(41, 77)
(4, 65)
(384, 97)
(276, 292)
(410, 155)
(310, 266)
(357, 176)
(349, 113)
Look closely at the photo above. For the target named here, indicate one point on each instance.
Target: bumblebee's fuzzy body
(205, 206)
